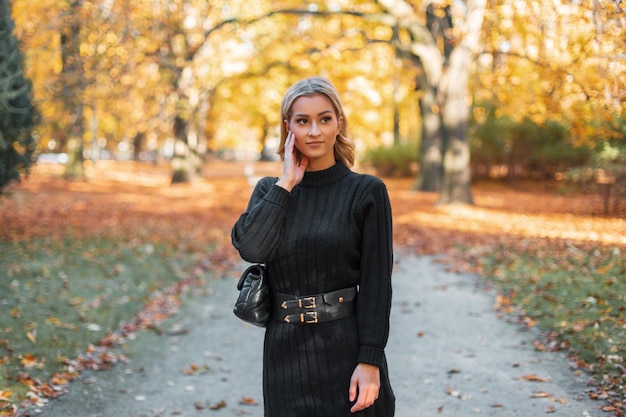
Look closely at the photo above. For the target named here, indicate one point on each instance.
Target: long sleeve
(374, 301)
(258, 231)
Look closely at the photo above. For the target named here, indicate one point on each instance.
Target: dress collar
(326, 176)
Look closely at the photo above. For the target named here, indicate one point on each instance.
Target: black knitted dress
(332, 231)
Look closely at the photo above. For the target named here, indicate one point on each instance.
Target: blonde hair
(344, 147)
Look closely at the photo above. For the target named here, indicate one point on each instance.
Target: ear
(286, 122)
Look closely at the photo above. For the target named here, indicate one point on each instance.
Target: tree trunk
(93, 126)
(456, 187)
(430, 174)
(456, 159)
(189, 125)
(138, 143)
(74, 168)
(72, 77)
(182, 168)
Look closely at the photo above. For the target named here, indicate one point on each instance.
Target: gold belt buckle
(306, 302)
(310, 317)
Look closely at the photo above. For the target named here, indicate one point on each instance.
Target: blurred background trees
(529, 89)
(17, 114)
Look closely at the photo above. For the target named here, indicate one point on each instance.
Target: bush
(605, 172)
(398, 160)
(524, 149)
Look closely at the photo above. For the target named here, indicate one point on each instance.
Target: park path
(449, 356)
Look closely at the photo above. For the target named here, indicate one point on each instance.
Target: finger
(360, 401)
(304, 162)
(366, 399)
(358, 406)
(293, 143)
(353, 389)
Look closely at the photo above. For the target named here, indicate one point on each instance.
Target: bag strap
(255, 271)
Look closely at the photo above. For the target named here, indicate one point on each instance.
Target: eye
(301, 121)
(326, 119)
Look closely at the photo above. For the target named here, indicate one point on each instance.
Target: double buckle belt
(313, 309)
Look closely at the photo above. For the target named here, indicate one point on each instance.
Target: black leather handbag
(253, 302)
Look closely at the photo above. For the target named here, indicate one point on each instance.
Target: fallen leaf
(609, 408)
(453, 393)
(219, 405)
(30, 361)
(8, 410)
(5, 395)
(56, 322)
(550, 409)
(194, 369)
(496, 405)
(5, 344)
(248, 401)
(540, 394)
(454, 371)
(532, 378)
(75, 301)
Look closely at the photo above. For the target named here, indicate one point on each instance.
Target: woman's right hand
(293, 172)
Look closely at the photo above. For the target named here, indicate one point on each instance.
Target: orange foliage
(129, 200)
(135, 201)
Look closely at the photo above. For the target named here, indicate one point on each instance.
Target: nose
(314, 131)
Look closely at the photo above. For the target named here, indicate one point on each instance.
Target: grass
(576, 296)
(62, 296)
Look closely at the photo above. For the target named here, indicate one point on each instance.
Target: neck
(317, 165)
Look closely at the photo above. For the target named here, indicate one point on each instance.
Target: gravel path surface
(449, 355)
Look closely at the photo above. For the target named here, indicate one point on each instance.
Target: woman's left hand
(364, 386)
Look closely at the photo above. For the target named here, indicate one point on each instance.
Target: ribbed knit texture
(332, 231)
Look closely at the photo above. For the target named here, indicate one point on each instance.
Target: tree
(455, 107)
(197, 46)
(210, 74)
(17, 113)
(73, 84)
(445, 64)
(555, 60)
(443, 46)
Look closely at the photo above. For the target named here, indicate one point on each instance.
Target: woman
(325, 234)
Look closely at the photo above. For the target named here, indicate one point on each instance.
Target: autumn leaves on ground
(88, 264)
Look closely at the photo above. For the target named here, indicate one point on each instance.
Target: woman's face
(315, 126)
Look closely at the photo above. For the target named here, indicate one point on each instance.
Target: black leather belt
(313, 309)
